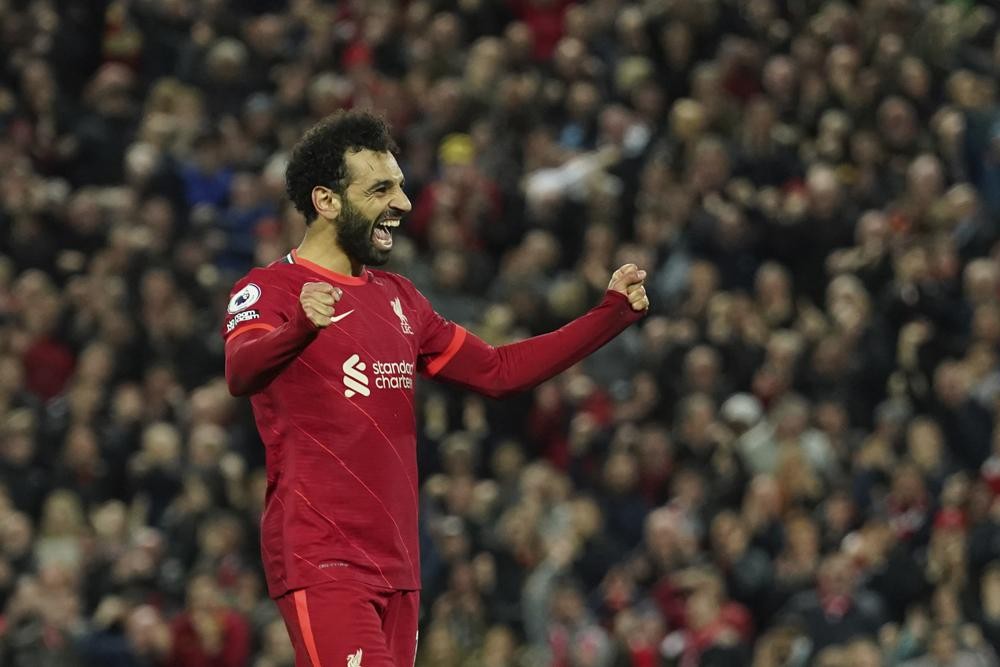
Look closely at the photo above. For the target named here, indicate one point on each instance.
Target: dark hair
(318, 157)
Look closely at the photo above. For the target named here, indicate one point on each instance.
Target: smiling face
(373, 204)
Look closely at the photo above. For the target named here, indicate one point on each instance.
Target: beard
(354, 235)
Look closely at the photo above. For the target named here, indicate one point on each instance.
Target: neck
(319, 245)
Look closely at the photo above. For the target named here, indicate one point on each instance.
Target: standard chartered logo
(354, 379)
(388, 375)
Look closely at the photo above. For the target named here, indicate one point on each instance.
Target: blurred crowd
(791, 461)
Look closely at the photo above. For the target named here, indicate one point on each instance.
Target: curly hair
(318, 157)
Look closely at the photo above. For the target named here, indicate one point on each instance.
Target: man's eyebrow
(385, 183)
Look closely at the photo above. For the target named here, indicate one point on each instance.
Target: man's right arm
(256, 357)
(256, 354)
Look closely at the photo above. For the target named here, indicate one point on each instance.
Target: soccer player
(328, 350)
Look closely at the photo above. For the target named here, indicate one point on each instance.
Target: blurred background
(792, 460)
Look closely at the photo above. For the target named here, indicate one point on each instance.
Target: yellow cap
(456, 149)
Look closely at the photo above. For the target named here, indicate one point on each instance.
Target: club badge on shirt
(404, 323)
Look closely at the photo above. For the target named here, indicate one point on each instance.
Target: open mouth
(382, 233)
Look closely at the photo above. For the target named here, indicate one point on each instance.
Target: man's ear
(326, 202)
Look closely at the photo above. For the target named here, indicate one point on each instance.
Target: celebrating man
(328, 349)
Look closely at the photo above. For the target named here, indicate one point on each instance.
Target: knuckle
(316, 287)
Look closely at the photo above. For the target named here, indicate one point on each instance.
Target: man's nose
(401, 202)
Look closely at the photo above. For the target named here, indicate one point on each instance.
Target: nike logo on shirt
(337, 318)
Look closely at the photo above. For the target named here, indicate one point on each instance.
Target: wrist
(620, 303)
(301, 323)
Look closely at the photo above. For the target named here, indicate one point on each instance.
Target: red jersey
(335, 410)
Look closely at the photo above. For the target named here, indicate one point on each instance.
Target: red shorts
(346, 623)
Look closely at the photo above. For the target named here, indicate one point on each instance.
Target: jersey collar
(341, 278)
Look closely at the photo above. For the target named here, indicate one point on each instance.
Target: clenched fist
(628, 280)
(318, 300)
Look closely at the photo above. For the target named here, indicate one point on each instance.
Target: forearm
(254, 359)
(500, 371)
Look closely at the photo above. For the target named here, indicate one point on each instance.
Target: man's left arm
(500, 371)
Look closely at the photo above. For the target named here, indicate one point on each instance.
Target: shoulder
(394, 282)
(803, 602)
(265, 282)
(870, 602)
(380, 277)
(278, 272)
(403, 292)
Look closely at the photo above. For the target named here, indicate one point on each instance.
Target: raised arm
(255, 354)
(504, 370)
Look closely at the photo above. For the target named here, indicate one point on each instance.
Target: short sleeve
(254, 304)
(439, 339)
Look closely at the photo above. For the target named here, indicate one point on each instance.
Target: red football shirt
(338, 426)
(335, 409)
